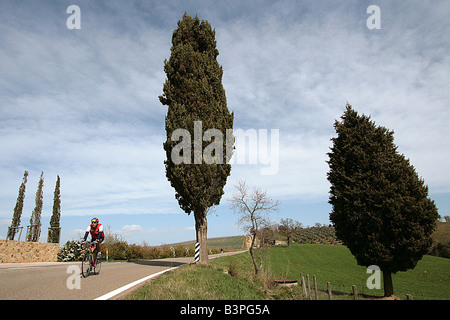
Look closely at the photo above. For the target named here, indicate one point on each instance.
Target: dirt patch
(390, 298)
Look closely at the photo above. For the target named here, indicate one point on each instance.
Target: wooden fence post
(329, 291)
(354, 293)
(303, 285)
(309, 286)
(316, 293)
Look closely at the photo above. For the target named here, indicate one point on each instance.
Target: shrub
(151, 252)
(117, 247)
(71, 251)
(441, 249)
(135, 252)
(190, 252)
(214, 250)
(117, 250)
(165, 252)
(233, 270)
(180, 251)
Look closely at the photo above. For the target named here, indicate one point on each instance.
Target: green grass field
(232, 277)
(429, 280)
(226, 243)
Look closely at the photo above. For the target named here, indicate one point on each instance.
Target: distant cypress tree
(381, 210)
(35, 220)
(194, 95)
(18, 208)
(53, 234)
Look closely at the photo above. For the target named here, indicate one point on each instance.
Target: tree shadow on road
(158, 263)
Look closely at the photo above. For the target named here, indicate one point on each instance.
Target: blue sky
(83, 104)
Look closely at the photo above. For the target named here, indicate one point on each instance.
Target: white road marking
(113, 293)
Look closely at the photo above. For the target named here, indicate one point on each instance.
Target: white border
(113, 293)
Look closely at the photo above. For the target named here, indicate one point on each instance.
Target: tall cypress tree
(53, 233)
(196, 102)
(381, 210)
(18, 208)
(35, 220)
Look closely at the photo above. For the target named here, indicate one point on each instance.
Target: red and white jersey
(95, 231)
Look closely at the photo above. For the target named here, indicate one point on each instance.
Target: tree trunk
(387, 284)
(201, 228)
(252, 254)
(261, 252)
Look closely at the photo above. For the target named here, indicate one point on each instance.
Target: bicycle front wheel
(98, 265)
(86, 265)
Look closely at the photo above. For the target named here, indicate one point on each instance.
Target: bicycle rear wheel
(86, 265)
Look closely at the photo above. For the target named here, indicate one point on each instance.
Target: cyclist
(96, 231)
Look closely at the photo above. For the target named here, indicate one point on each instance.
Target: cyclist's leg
(96, 246)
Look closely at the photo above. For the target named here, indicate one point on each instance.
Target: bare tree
(254, 208)
(289, 228)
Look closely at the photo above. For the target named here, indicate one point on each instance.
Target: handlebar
(90, 242)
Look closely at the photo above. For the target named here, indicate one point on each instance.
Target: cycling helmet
(93, 220)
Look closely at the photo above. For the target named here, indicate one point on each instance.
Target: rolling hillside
(233, 277)
(225, 243)
(317, 235)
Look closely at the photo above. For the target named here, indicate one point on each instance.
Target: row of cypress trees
(35, 220)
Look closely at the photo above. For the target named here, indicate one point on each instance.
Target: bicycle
(91, 263)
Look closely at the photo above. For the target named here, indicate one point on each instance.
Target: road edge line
(113, 293)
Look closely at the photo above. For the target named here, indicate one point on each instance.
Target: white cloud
(75, 234)
(84, 105)
(85, 108)
(299, 78)
(132, 228)
(138, 232)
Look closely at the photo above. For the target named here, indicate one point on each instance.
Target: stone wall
(24, 251)
(248, 242)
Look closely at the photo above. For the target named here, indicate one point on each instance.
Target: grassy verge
(199, 282)
(233, 277)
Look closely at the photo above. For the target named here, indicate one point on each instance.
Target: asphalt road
(62, 281)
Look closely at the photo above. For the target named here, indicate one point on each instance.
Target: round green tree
(380, 207)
